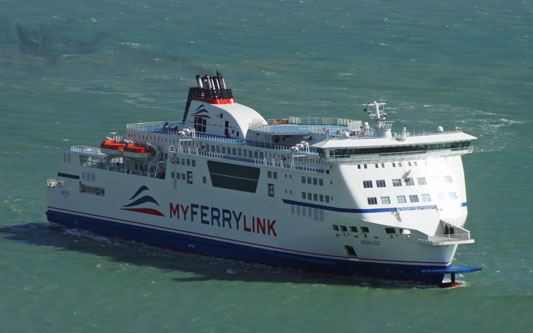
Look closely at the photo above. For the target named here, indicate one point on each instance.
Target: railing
(88, 150)
(450, 232)
(268, 162)
(144, 127)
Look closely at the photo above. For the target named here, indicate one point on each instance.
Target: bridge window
(372, 201)
(413, 198)
(409, 181)
(380, 183)
(426, 197)
(367, 183)
(421, 180)
(396, 182)
(401, 199)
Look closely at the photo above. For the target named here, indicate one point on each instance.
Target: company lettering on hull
(224, 218)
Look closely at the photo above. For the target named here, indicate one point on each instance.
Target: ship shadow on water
(204, 268)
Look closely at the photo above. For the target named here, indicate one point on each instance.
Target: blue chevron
(141, 189)
(142, 200)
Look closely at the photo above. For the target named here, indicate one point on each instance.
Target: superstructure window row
(413, 198)
(315, 197)
(312, 180)
(347, 152)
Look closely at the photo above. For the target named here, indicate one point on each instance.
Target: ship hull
(217, 248)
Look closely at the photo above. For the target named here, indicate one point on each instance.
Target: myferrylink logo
(141, 204)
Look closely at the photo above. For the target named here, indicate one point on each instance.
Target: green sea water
(72, 71)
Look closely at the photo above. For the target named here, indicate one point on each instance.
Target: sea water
(72, 71)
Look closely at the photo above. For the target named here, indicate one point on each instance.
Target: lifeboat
(112, 147)
(137, 151)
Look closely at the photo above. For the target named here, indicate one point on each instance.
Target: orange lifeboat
(137, 151)
(112, 147)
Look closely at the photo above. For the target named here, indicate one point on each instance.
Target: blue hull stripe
(191, 243)
(358, 210)
(67, 175)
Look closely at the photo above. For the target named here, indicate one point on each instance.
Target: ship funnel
(199, 81)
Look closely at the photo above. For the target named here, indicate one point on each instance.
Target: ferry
(331, 195)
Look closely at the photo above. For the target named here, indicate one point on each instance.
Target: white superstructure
(323, 194)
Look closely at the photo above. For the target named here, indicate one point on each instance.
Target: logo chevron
(135, 202)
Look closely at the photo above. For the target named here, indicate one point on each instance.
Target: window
(364, 229)
(421, 180)
(327, 198)
(275, 175)
(204, 180)
(309, 196)
(380, 183)
(200, 124)
(396, 182)
(367, 183)
(401, 199)
(269, 174)
(343, 228)
(189, 177)
(385, 200)
(372, 201)
(315, 181)
(409, 181)
(390, 230)
(453, 195)
(270, 190)
(426, 197)
(321, 197)
(309, 180)
(321, 182)
(172, 174)
(448, 179)
(413, 198)
(193, 163)
(353, 229)
(315, 197)
(303, 179)
(335, 227)
(303, 195)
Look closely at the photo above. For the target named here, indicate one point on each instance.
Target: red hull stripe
(244, 242)
(216, 101)
(145, 211)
